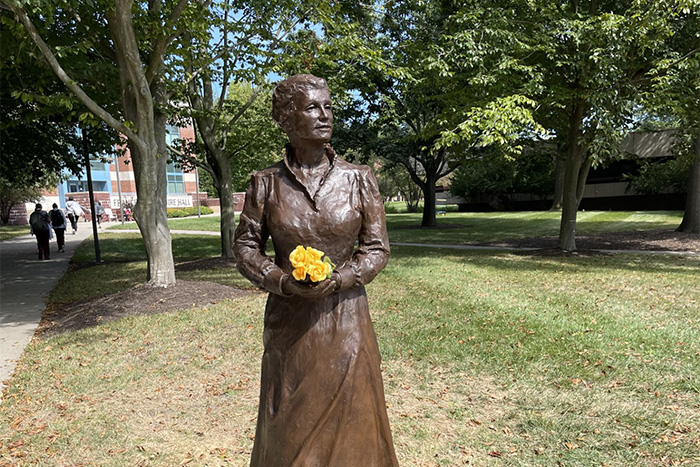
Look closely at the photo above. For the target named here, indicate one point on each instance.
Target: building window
(97, 165)
(176, 184)
(77, 186)
(172, 133)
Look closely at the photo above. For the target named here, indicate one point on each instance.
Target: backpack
(39, 221)
(56, 218)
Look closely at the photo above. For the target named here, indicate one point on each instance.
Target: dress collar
(330, 154)
(289, 153)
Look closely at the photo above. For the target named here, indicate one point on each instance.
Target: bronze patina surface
(321, 397)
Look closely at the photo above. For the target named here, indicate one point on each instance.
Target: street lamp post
(119, 188)
(86, 155)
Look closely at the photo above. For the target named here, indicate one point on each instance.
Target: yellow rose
(317, 271)
(313, 255)
(310, 261)
(298, 257)
(299, 273)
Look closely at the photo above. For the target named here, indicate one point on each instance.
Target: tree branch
(158, 49)
(245, 107)
(684, 57)
(280, 35)
(63, 76)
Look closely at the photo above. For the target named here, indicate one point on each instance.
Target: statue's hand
(309, 290)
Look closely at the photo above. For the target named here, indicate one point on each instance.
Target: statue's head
(284, 98)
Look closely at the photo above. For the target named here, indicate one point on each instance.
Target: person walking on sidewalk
(58, 221)
(74, 212)
(40, 225)
(99, 212)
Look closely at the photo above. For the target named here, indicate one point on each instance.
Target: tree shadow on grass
(551, 261)
(140, 300)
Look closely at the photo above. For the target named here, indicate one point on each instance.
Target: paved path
(25, 283)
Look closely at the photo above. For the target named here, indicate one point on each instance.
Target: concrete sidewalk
(25, 283)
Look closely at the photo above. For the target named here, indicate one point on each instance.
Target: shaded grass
(158, 390)
(489, 359)
(11, 231)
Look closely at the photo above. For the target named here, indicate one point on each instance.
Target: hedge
(187, 212)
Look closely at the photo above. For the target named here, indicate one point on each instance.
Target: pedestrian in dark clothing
(40, 225)
(58, 221)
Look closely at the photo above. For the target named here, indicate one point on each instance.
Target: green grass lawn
(468, 227)
(490, 358)
(458, 228)
(11, 231)
(207, 223)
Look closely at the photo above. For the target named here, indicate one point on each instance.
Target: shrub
(399, 207)
(187, 212)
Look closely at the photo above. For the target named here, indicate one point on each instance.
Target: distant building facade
(108, 178)
(606, 187)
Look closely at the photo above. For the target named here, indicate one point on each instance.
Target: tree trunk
(691, 217)
(150, 213)
(567, 227)
(220, 170)
(138, 109)
(574, 181)
(429, 199)
(148, 149)
(5, 210)
(218, 161)
(582, 177)
(559, 173)
(224, 188)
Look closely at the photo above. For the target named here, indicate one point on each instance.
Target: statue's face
(313, 118)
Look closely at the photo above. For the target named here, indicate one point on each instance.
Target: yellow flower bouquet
(310, 263)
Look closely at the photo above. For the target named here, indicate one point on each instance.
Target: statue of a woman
(321, 395)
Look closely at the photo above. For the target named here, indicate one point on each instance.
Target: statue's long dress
(321, 396)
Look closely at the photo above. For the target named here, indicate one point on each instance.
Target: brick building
(108, 178)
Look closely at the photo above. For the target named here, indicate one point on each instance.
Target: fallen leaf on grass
(16, 444)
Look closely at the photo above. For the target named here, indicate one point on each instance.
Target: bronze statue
(321, 395)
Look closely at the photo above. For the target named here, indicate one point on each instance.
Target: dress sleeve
(372, 253)
(250, 240)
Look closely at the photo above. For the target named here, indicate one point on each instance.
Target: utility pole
(119, 188)
(86, 155)
(196, 175)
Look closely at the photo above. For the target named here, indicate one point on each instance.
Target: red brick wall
(215, 203)
(126, 170)
(187, 133)
(83, 198)
(191, 188)
(19, 215)
(128, 186)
